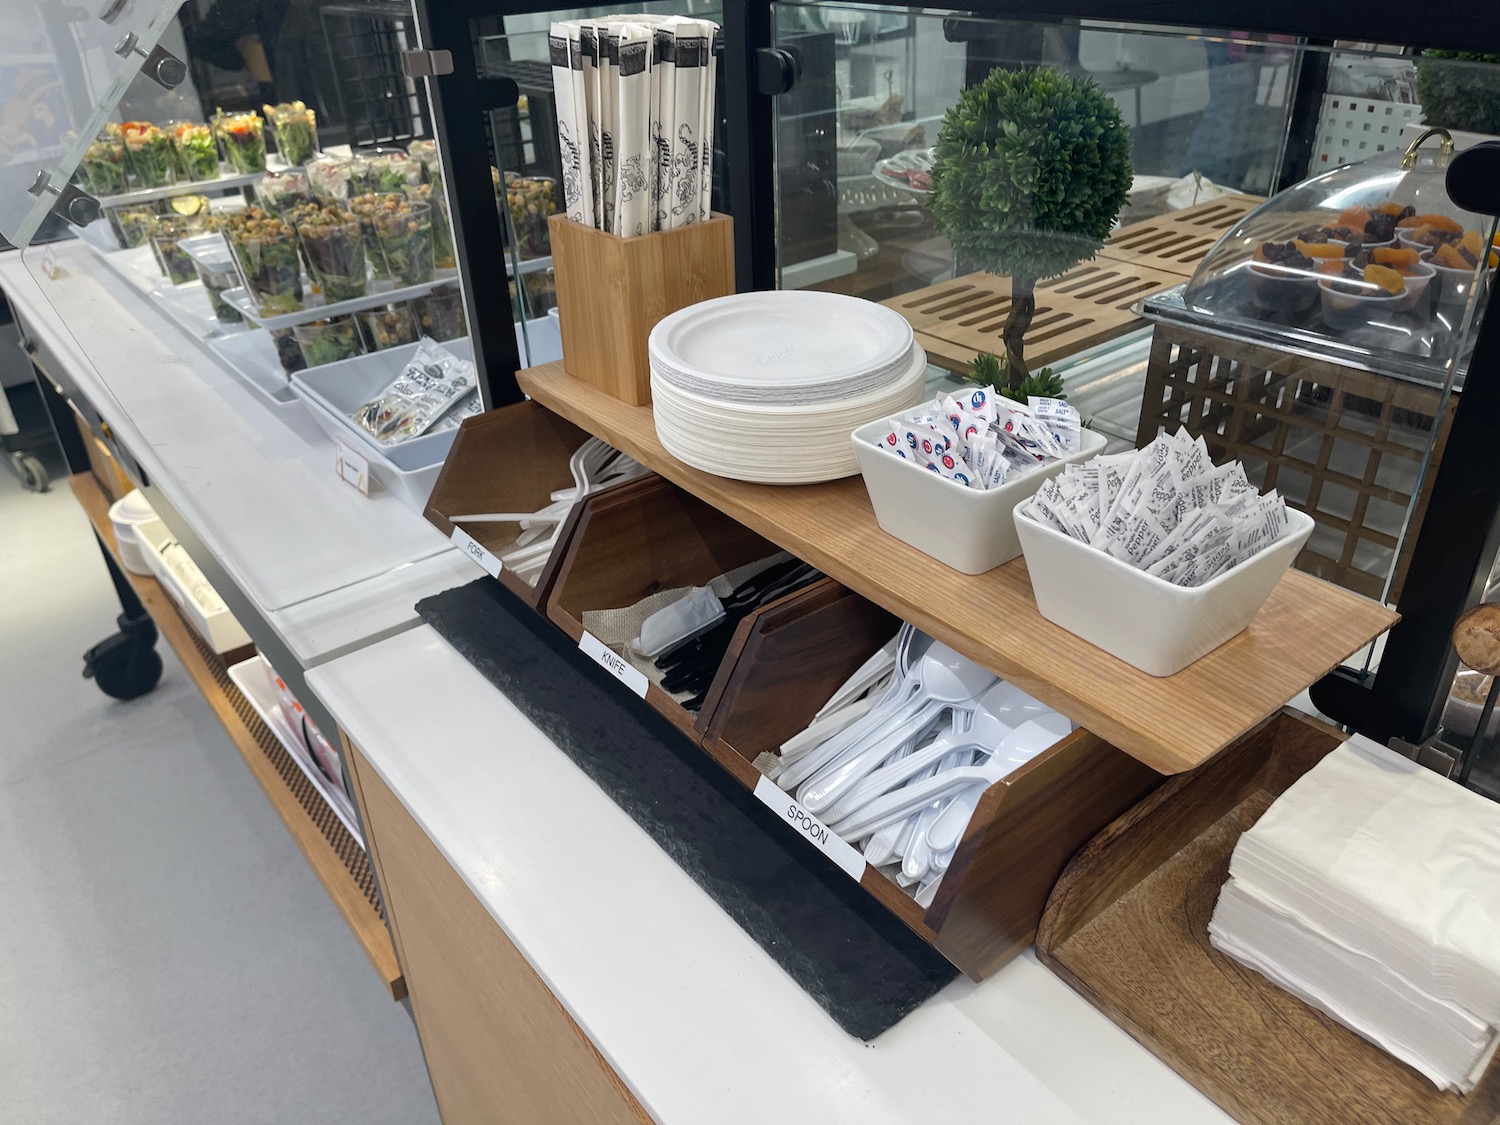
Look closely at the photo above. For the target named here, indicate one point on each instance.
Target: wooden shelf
(335, 857)
(1171, 724)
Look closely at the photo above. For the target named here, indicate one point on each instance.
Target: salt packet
(430, 383)
(1165, 509)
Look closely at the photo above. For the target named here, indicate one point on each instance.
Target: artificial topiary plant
(1459, 94)
(988, 370)
(1030, 170)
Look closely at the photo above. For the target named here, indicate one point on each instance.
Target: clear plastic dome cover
(1370, 264)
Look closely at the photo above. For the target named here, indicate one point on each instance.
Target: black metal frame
(1461, 531)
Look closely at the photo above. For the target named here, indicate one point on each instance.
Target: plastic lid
(133, 507)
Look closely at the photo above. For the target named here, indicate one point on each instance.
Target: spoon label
(783, 804)
(613, 663)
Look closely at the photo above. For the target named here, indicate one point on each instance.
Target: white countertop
(329, 568)
(693, 1015)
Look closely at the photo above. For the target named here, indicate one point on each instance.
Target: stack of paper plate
(767, 387)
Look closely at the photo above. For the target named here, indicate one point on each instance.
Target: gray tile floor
(166, 956)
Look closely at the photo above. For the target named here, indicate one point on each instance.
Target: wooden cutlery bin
(611, 291)
(787, 661)
(507, 460)
(637, 539)
(1127, 928)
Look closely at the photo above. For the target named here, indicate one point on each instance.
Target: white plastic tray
(215, 624)
(193, 187)
(251, 356)
(253, 678)
(381, 293)
(334, 391)
(186, 305)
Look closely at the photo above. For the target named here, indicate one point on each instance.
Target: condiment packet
(430, 383)
(466, 407)
(981, 439)
(1165, 509)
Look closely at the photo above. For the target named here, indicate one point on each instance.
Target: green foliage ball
(1031, 169)
(1460, 96)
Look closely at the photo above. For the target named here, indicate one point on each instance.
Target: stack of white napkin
(1371, 890)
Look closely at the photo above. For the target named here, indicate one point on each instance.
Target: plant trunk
(1022, 309)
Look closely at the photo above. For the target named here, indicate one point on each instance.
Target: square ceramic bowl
(1146, 621)
(969, 529)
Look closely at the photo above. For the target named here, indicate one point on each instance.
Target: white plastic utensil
(868, 673)
(946, 680)
(997, 713)
(917, 859)
(1028, 740)
(824, 728)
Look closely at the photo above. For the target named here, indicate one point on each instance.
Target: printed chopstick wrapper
(980, 439)
(635, 102)
(1165, 509)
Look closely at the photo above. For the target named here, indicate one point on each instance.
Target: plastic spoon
(997, 713)
(947, 680)
(868, 673)
(822, 729)
(1029, 740)
(1034, 736)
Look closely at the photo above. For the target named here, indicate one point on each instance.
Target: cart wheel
(33, 472)
(126, 666)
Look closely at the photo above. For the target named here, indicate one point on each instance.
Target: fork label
(613, 663)
(469, 546)
(784, 805)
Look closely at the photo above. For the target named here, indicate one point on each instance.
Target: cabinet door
(499, 1046)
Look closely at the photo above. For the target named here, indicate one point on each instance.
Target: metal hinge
(161, 65)
(426, 64)
(72, 202)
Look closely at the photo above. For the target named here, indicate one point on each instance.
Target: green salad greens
(266, 250)
(243, 138)
(196, 151)
(148, 154)
(328, 341)
(405, 232)
(335, 250)
(296, 130)
(102, 169)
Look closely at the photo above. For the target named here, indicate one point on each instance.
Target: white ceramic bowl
(969, 529)
(1147, 621)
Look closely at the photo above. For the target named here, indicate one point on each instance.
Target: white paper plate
(782, 446)
(792, 345)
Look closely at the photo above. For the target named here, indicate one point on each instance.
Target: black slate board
(850, 954)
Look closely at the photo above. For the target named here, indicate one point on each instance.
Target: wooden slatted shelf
(1089, 305)
(335, 857)
(1171, 724)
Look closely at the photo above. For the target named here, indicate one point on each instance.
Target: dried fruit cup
(328, 341)
(1348, 304)
(295, 128)
(1283, 278)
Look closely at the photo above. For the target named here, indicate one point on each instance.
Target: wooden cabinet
(500, 1048)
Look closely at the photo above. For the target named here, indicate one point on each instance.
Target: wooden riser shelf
(335, 857)
(1171, 724)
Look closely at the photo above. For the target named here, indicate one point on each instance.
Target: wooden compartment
(642, 537)
(507, 460)
(1127, 927)
(788, 661)
(611, 291)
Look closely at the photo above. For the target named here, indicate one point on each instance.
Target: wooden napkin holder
(612, 291)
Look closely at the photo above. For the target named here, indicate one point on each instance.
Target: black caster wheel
(33, 472)
(126, 666)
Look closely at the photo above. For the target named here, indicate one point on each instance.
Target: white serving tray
(186, 305)
(226, 181)
(215, 624)
(253, 678)
(251, 357)
(381, 293)
(334, 391)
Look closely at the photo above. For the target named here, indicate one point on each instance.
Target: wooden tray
(507, 460)
(1178, 241)
(1088, 305)
(1171, 724)
(1127, 927)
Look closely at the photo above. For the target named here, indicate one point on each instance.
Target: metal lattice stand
(1345, 446)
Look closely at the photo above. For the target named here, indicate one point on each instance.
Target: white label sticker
(465, 543)
(49, 262)
(613, 663)
(783, 804)
(353, 468)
